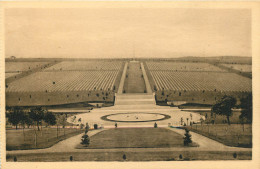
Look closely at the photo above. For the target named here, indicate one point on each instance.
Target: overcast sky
(161, 32)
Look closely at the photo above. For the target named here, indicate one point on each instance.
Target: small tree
(15, 115)
(180, 156)
(181, 120)
(62, 120)
(49, 118)
(85, 138)
(28, 122)
(37, 115)
(224, 107)
(187, 138)
(24, 120)
(201, 121)
(155, 125)
(246, 106)
(124, 157)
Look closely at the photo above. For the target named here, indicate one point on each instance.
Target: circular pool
(135, 117)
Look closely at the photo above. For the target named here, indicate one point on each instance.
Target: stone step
(135, 96)
(139, 99)
(133, 102)
(136, 108)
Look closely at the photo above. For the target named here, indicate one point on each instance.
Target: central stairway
(135, 99)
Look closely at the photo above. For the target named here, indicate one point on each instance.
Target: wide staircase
(136, 102)
(135, 99)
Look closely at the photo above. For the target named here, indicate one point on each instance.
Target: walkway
(134, 83)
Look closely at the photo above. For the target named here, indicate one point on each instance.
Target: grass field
(86, 65)
(182, 66)
(64, 82)
(136, 138)
(133, 156)
(22, 66)
(134, 82)
(17, 140)
(231, 135)
(240, 67)
(199, 81)
(234, 119)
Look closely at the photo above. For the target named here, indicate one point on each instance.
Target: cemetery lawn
(19, 140)
(231, 135)
(135, 138)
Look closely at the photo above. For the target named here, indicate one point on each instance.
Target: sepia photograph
(125, 83)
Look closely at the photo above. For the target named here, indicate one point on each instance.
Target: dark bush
(180, 156)
(235, 155)
(85, 140)
(95, 126)
(124, 157)
(187, 138)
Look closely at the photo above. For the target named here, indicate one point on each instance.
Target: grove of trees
(224, 107)
(226, 103)
(29, 117)
(246, 106)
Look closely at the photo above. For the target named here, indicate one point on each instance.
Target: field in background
(190, 79)
(182, 66)
(240, 67)
(86, 65)
(195, 82)
(66, 82)
(11, 67)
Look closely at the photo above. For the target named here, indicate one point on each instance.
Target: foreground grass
(33, 139)
(133, 156)
(136, 138)
(232, 135)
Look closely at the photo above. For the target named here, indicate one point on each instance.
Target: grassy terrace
(19, 140)
(133, 156)
(136, 138)
(232, 135)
